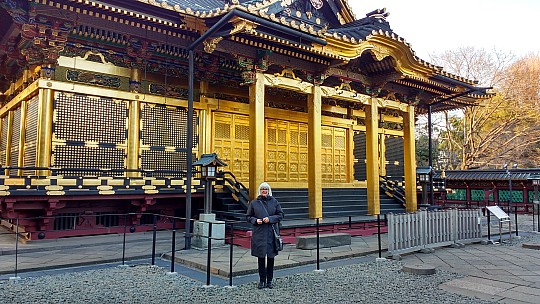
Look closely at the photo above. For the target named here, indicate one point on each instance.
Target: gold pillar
(205, 121)
(409, 158)
(22, 137)
(134, 125)
(44, 132)
(133, 144)
(314, 153)
(257, 165)
(372, 157)
(135, 80)
(9, 140)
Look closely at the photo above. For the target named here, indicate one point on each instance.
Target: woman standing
(264, 213)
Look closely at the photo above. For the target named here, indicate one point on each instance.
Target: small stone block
(422, 269)
(396, 257)
(531, 246)
(325, 240)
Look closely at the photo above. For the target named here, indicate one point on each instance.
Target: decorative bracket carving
(211, 44)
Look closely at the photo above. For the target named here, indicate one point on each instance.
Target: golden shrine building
(105, 105)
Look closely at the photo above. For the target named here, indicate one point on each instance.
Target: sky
(433, 26)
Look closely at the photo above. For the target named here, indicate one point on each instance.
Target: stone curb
(422, 269)
(531, 246)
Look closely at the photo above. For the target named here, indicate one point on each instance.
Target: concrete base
(424, 269)
(427, 250)
(325, 240)
(531, 246)
(201, 231)
(487, 242)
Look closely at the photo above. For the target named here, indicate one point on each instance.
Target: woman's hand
(266, 220)
(259, 221)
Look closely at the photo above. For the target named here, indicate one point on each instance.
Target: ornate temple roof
(323, 32)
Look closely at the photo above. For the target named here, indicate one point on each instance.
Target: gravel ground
(373, 282)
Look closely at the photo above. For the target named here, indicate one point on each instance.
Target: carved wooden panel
(230, 141)
(287, 151)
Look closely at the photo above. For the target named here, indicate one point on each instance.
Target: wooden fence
(410, 232)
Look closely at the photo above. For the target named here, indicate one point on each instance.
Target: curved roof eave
(217, 8)
(387, 43)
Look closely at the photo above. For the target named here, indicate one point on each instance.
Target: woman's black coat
(262, 240)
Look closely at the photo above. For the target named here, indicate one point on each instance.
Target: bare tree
(504, 128)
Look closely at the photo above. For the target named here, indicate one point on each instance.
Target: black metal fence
(123, 231)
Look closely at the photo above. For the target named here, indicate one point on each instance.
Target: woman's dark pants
(266, 273)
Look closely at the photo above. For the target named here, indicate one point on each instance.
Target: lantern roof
(208, 159)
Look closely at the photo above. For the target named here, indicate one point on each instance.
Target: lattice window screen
(164, 138)
(3, 140)
(395, 157)
(477, 194)
(89, 133)
(164, 160)
(223, 130)
(85, 118)
(360, 156)
(30, 138)
(241, 132)
(16, 139)
(88, 157)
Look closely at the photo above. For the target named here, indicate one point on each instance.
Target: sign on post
(503, 217)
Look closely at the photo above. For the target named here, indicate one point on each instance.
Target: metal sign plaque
(498, 212)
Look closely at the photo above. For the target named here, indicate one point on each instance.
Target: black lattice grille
(92, 131)
(66, 221)
(3, 140)
(164, 138)
(164, 160)
(394, 157)
(88, 157)
(360, 156)
(30, 138)
(84, 118)
(164, 126)
(16, 138)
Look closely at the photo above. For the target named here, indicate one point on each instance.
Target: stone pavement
(501, 273)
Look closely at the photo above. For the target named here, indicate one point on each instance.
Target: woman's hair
(264, 185)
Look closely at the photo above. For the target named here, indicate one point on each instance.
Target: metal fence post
(209, 255)
(154, 240)
(124, 241)
(16, 247)
(173, 245)
(379, 232)
(231, 241)
(489, 225)
(318, 236)
(516, 218)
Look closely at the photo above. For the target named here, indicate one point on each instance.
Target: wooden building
(106, 103)
(515, 188)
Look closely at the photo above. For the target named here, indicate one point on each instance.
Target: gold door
(334, 155)
(231, 143)
(286, 151)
